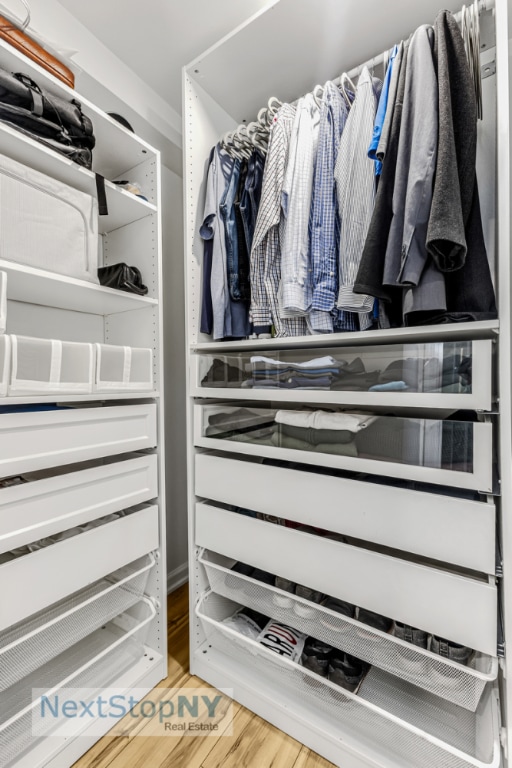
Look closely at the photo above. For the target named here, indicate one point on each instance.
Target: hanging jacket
(455, 235)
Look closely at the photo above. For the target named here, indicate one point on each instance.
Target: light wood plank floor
(253, 743)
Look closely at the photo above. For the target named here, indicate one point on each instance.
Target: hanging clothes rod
(484, 5)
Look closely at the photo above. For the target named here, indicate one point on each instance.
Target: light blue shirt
(381, 113)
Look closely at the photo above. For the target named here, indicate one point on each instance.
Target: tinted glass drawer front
(444, 452)
(441, 373)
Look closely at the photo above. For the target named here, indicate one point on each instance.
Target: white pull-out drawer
(34, 581)
(37, 440)
(459, 608)
(445, 528)
(452, 453)
(76, 498)
(446, 374)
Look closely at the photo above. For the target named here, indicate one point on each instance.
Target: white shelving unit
(420, 552)
(86, 611)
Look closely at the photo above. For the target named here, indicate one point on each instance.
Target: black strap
(102, 195)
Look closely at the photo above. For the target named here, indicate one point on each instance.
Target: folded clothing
(221, 374)
(317, 436)
(344, 421)
(318, 362)
(293, 382)
(236, 420)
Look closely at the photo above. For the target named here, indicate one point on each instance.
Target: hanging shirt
(380, 152)
(266, 245)
(296, 291)
(355, 180)
(325, 219)
(381, 113)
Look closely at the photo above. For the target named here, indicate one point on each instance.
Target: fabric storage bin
(47, 224)
(3, 301)
(123, 368)
(5, 363)
(41, 366)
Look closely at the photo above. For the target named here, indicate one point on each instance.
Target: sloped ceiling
(156, 38)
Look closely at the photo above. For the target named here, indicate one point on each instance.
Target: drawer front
(31, 441)
(76, 498)
(444, 528)
(33, 582)
(450, 374)
(450, 453)
(461, 609)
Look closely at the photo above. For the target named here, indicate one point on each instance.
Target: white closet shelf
(123, 206)
(36, 286)
(117, 149)
(484, 329)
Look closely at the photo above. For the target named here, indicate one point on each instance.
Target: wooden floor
(254, 743)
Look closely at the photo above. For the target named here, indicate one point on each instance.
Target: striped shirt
(325, 219)
(355, 180)
(296, 277)
(266, 245)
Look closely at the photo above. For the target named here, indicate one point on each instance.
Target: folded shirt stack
(268, 373)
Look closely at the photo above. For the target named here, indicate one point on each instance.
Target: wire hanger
(346, 79)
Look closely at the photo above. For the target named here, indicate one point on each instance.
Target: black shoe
(375, 620)
(341, 607)
(243, 569)
(346, 671)
(315, 656)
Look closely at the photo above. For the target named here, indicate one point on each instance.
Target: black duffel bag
(53, 121)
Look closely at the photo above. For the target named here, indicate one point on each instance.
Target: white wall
(174, 371)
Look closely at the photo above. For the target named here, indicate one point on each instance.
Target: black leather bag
(123, 278)
(53, 121)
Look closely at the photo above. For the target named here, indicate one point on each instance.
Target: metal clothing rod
(484, 5)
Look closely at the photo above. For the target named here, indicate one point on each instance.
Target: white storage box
(3, 301)
(47, 224)
(123, 368)
(5, 363)
(45, 366)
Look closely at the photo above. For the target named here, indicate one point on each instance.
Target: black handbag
(53, 121)
(123, 278)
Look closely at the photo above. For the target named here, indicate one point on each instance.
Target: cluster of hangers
(241, 142)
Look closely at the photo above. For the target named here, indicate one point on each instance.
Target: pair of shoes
(337, 666)
(306, 593)
(444, 648)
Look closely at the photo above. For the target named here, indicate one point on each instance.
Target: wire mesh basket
(412, 727)
(82, 670)
(28, 645)
(462, 685)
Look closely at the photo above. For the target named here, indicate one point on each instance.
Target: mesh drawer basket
(462, 685)
(413, 728)
(30, 644)
(47, 366)
(123, 368)
(90, 665)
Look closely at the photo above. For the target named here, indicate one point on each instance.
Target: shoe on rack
(338, 606)
(315, 657)
(264, 576)
(412, 663)
(447, 675)
(375, 621)
(305, 611)
(286, 586)
(346, 671)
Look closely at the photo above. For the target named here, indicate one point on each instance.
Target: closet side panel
(504, 114)
(204, 122)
